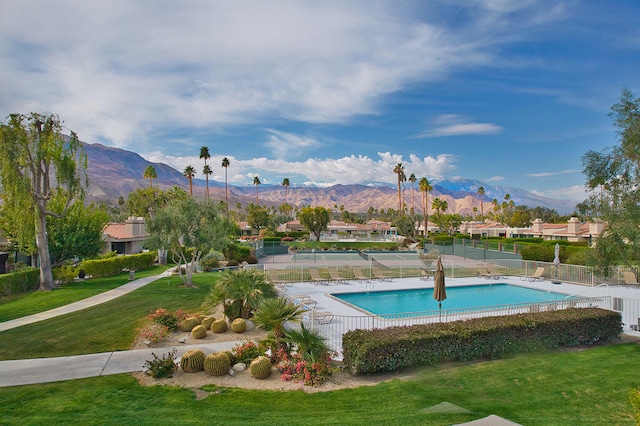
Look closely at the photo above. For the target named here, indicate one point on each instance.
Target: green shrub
(110, 266)
(246, 352)
(161, 367)
(64, 274)
(252, 260)
(378, 350)
(22, 281)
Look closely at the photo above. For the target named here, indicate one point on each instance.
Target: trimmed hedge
(100, 268)
(22, 281)
(390, 349)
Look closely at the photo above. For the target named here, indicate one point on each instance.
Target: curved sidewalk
(43, 370)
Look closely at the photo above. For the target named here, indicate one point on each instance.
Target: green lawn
(17, 306)
(559, 388)
(107, 327)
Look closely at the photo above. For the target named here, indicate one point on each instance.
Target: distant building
(573, 231)
(125, 238)
(337, 230)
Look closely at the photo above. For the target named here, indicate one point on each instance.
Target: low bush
(64, 274)
(110, 266)
(246, 351)
(22, 281)
(162, 367)
(167, 318)
(379, 350)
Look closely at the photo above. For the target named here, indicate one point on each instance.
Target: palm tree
(286, 183)
(399, 170)
(150, 173)
(226, 163)
(481, 197)
(240, 291)
(256, 182)
(204, 154)
(271, 315)
(425, 187)
(189, 172)
(206, 171)
(413, 180)
(308, 343)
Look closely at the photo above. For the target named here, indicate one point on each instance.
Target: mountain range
(115, 172)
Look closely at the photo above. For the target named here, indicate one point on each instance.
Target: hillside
(115, 172)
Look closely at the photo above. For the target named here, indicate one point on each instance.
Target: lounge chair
(483, 272)
(491, 269)
(538, 275)
(304, 299)
(323, 317)
(358, 275)
(274, 278)
(316, 278)
(378, 274)
(424, 275)
(630, 278)
(335, 275)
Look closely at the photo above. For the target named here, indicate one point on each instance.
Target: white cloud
(548, 174)
(285, 144)
(457, 125)
(494, 179)
(573, 193)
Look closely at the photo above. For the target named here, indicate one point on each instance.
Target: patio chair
(538, 275)
(323, 317)
(316, 278)
(378, 274)
(491, 269)
(304, 299)
(358, 275)
(274, 278)
(335, 275)
(630, 278)
(483, 272)
(424, 275)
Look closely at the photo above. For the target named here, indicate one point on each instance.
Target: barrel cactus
(192, 361)
(199, 332)
(188, 323)
(260, 367)
(229, 355)
(207, 321)
(219, 326)
(217, 364)
(238, 325)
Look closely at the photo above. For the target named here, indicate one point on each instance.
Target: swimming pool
(420, 300)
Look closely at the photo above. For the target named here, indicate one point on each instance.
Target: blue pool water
(418, 300)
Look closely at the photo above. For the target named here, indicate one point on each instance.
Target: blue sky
(511, 93)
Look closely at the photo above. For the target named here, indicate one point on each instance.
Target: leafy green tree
(144, 202)
(257, 216)
(37, 161)
(614, 177)
(448, 223)
(519, 219)
(77, 234)
(151, 174)
(188, 229)
(315, 219)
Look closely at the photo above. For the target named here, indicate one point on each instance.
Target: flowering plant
(153, 332)
(296, 368)
(246, 351)
(164, 317)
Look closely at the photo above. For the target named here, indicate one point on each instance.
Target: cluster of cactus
(207, 321)
(260, 367)
(219, 326)
(199, 332)
(229, 354)
(217, 364)
(238, 325)
(188, 323)
(192, 361)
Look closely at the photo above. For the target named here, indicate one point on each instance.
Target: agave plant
(271, 315)
(240, 291)
(309, 344)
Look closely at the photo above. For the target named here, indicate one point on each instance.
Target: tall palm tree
(481, 196)
(425, 187)
(286, 184)
(206, 171)
(256, 182)
(150, 173)
(399, 170)
(204, 154)
(413, 180)
(189, 172)
(226, 163)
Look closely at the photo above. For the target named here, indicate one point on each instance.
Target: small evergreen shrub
(246, 352)
(161, 367)
(23, 280)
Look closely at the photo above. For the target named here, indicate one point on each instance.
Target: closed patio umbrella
(556, 261)
(439, 292)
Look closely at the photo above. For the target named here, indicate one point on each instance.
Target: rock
(182, 339)
(232, 372)
(250, 324)
(241, 366)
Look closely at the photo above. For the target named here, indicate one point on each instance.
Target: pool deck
(321, 293)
